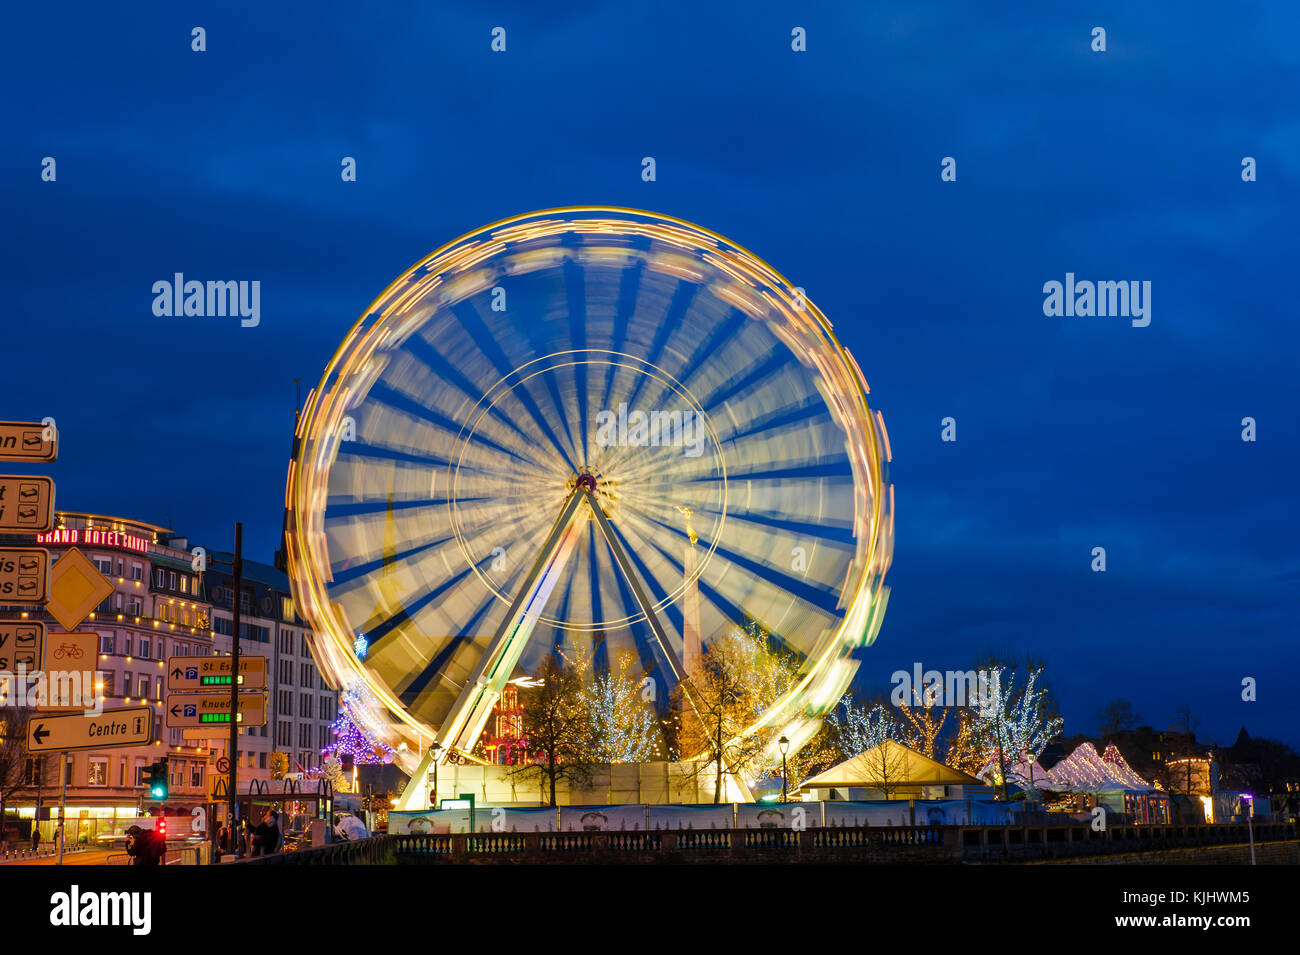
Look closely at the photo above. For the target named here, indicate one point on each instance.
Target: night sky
(1073, 433)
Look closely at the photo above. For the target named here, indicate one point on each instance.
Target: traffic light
(160, 826)
(156, 779)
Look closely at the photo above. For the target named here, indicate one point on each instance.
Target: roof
(903, 767)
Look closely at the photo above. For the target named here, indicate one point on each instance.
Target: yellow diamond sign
(76, 588)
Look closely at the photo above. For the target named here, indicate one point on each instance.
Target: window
(33, 770)
(286, 702)
(304, 704)
(171, 582)
(121, 572)
(304, 734)
(135, 606)
(139, 771)
(135, 571)
(324, 706)
(117, 601)
(144, 653)
(185, 583)
(286, 608)
(261, 760)
(196, 775)
(97, 771)
(107, 684)
(104, 565)
(126, 682)
(121, 773)
(159, 577)
(144, 695)
(286, 672)
(105, 643)
(284, 733)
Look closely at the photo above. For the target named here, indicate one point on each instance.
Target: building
(300, 706)
(156, 610)
(164, 605)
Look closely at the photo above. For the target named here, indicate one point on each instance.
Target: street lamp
(785, 748)
(433, 795)
(1249, 799)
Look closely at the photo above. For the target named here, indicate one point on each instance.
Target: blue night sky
(1072, 432)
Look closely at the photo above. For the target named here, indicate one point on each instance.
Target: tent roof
(1085, 770)
(906, 767)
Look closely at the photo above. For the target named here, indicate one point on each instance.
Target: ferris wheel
(598, 429)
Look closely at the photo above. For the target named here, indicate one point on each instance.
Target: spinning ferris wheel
(587, 428)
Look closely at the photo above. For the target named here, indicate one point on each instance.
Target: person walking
(36, 838)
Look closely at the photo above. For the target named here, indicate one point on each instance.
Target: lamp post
(433, 794)
(785, 748)
(1249, 799)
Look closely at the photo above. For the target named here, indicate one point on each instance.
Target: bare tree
(867, 731)
(557, 727)
(19, 771)
(738, 678)
(1116, 717)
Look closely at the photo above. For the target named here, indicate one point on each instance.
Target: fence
(933, 844)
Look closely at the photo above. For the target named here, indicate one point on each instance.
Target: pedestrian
(36, 838)
(223, 838)
(266, 836)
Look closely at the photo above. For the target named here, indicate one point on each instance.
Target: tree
(624, 728)
(1185, 724)
(557, 726)
(868, 730)
(19, 770)
(1014, 722)
(739, 677)
(920, 726)
(1116, 717)
(965, 752)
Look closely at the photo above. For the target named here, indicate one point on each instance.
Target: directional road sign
(24, 575)
(209, 673)
(21, 644)
(27, 441)
(127, 726)
(213, 709)
(26, 503)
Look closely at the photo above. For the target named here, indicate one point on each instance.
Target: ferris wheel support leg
(474, 704)
(625, 564)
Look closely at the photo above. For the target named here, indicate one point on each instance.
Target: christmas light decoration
(358, 713)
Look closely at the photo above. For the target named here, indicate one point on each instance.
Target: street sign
(24, 575)
(209, 673)
(76, 588)
(21, 644)
(223, 764)
(128, 726)
(70, 651)
(213, 709)
(26, 503)
(26, 441)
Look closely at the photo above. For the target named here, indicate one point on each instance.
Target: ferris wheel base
(654, 783)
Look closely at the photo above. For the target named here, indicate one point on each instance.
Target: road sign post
(213, 709)
(124, 726)
(28, 441)
(187, 674)
(26, 503)
(24, 575)
(22, 644)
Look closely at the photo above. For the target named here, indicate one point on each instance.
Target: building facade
(156, 610)
(165, 604)
(300, 706)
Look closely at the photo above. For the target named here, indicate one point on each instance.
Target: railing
(848, 844)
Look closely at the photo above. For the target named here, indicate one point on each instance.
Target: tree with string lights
(1014, 725)
(624, 728)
